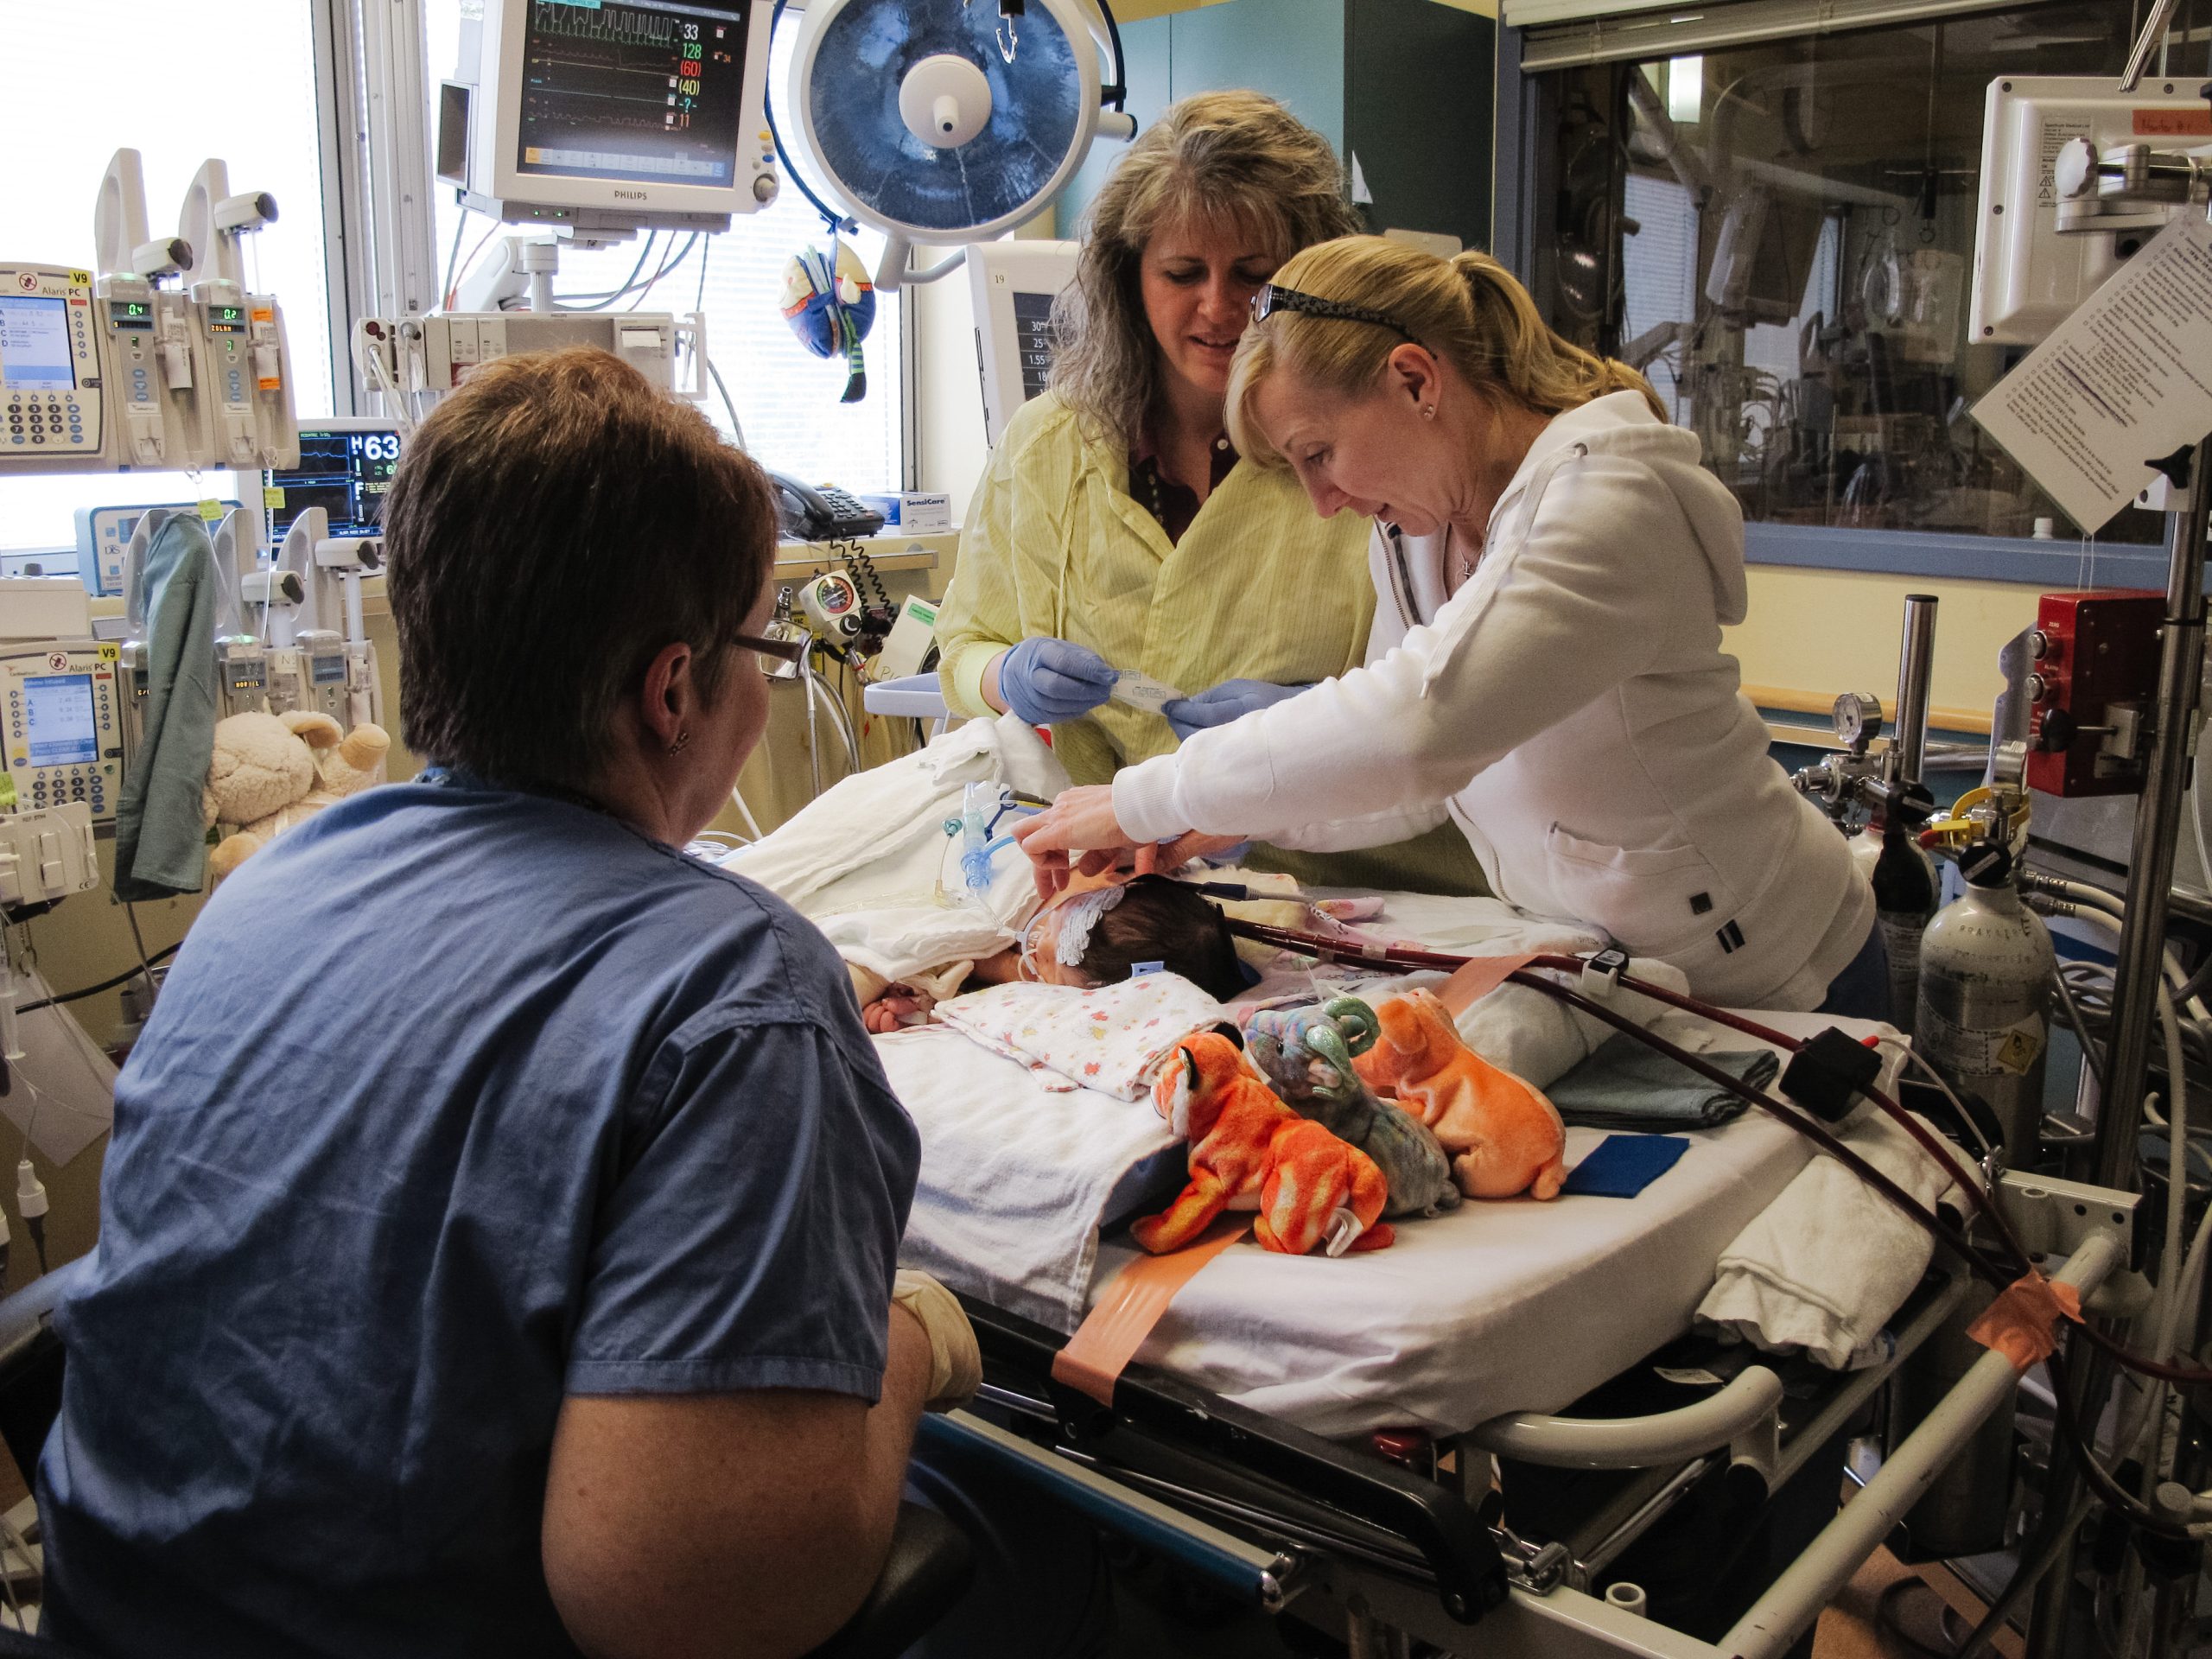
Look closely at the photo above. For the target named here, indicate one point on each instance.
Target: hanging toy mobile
(830, 305)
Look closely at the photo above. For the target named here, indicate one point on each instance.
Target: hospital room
(1418, 777)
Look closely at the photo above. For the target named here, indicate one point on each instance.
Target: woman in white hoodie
(1553, 569)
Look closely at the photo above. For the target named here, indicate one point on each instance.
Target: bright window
(785, 397)
(160, 66)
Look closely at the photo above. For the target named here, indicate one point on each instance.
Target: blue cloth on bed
(1621, 1166)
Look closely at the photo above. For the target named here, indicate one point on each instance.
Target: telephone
(827, 514)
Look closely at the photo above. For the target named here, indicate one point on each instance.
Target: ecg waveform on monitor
(634, 91)
(641, 70)
(615, 23)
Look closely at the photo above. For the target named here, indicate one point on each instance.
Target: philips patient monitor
(610, 114)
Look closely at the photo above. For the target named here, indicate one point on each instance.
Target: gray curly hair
(1234, 155)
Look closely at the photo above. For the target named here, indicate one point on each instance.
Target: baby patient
(880, 864)
(1097, 937)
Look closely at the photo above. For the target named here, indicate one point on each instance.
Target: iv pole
(2150, 876)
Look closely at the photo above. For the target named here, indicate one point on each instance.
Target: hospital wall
(1813, 635)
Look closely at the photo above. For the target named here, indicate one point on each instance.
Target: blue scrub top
(457, 1100)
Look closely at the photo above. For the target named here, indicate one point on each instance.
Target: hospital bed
(1331, 1429)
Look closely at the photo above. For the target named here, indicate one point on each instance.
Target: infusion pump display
(345, 467)
(64, 733)
(49, 366)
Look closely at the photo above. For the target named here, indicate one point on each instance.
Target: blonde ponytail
(1541, 369)
(1469, 310)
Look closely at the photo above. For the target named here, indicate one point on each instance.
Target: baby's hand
(899, 1006)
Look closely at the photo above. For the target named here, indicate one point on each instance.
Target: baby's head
(1155, 920)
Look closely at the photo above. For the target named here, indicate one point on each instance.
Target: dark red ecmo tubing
(1994, 1271)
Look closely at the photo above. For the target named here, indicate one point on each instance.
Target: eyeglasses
(779, 657)
(1274, 298)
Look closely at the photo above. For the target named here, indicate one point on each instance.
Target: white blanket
(1016, 1176)
(1498, 1307)
(870, 864)
(1825, 1265)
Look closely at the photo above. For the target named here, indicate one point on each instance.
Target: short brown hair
(553, 524)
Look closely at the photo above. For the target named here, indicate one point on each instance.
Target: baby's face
(1044, 951)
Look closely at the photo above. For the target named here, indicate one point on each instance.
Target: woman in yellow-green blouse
(1115, 530)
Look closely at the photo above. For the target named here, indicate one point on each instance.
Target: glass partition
(1780, 235)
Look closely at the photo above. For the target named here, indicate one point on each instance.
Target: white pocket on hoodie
(1653, 900)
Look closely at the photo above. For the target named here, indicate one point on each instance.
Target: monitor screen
(643, 93)
(58, 720)
(345, 474)
(34, 344)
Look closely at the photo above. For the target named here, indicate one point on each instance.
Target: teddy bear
(1504, 1135)
(270, 771)
(1308, 1054)
(1248, 1150)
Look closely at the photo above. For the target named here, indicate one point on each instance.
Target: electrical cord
(838, 223)
(2092, 1049)
(698, 239)
(608, 297)
(736, 426)
(453, 255)
(124, 978)
(455, 274)
(1973, 1124)
(1118, 94)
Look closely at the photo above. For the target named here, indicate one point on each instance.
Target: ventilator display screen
(34, 344)
(647, 93)
(58, 724)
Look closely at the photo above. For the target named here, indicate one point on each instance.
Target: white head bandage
(1077, 917)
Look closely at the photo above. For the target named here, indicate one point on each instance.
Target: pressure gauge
(1858, 719)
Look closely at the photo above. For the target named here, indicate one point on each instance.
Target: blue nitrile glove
(1225, 702)
(1045, 680)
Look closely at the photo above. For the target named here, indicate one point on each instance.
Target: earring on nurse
(682, 738)
(1428, 411)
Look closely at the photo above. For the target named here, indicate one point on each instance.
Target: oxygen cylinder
(1982, 1019)
(1905, 892)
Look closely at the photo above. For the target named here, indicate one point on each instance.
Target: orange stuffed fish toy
(1503, 1137)
(1249, 1151)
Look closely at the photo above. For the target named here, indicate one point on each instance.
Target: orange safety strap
(1478, 979)
(1116, 1328)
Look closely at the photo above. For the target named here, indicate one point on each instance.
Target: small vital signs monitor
(345, 466)
(49, 369)
(65, 736)
(641, 94)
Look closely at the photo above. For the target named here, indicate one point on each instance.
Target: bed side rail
(1746, 1417)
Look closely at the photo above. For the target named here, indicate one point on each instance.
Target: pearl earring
(1428, 411)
